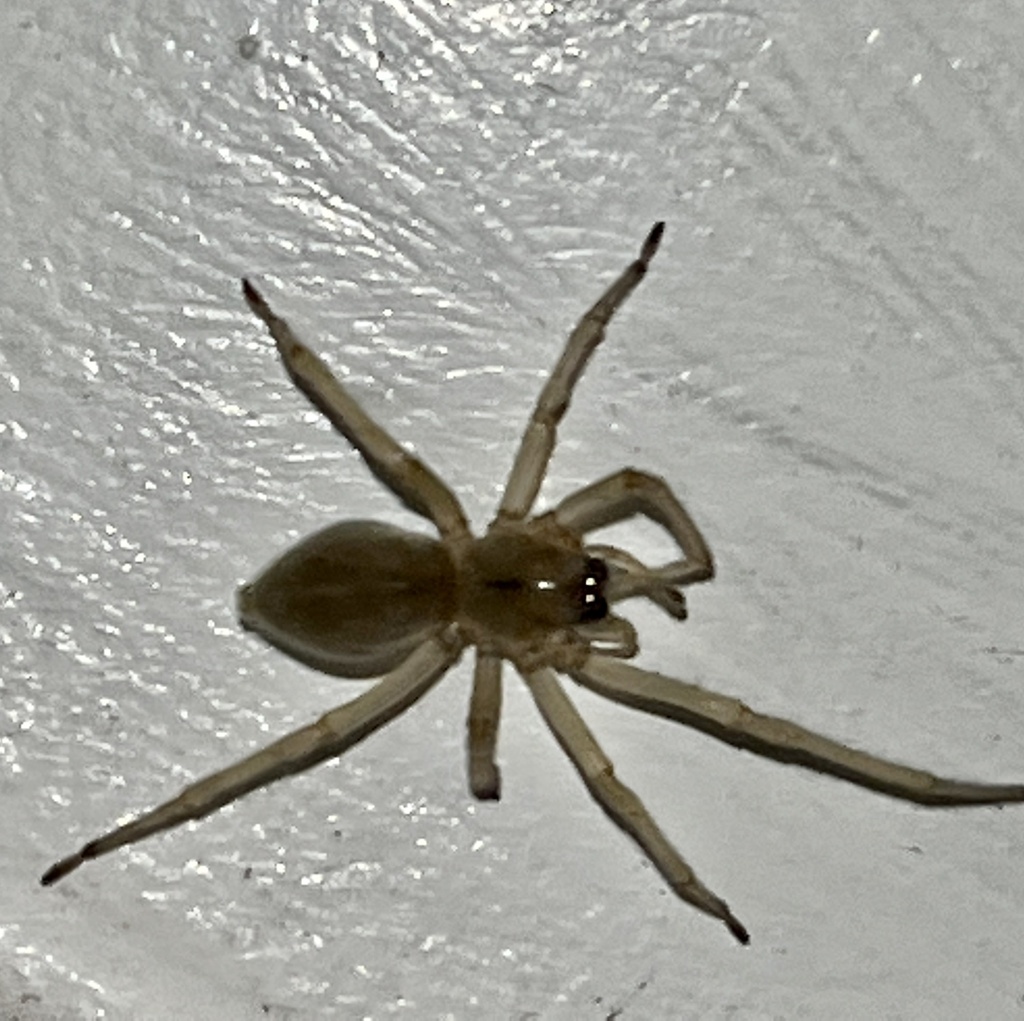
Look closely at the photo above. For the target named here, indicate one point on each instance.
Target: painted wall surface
(825, 361)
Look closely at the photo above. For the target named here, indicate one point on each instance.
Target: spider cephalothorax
(362, 599)
(531, 599)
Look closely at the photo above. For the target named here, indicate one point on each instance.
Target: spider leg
(334, 733)
(482, 728)
(621, 805)
(622, 495)
(731, 721)
(538, 441)
(412, 481)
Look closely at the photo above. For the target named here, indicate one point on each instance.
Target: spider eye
(595, 606)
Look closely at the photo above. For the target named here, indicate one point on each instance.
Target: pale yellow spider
(363, 599)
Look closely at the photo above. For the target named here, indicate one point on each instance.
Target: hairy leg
(630, 492)
(415, 484)
(621, 805)
(482, 728)
(538, 441)
(731, 721)
(332, 734)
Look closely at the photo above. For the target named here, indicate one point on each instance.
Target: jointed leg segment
(622, 806)
(409, 478)
(328, 737)
(734, 723)
(623, 495)
(482, 728)
(538, 441)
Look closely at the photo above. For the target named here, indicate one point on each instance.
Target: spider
(365, 599)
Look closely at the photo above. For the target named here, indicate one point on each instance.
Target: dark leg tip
(488, 788)
(652, 241)
(57, 872)
(252, 296)
(738, 930)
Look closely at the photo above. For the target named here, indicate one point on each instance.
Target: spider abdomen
(354, 599)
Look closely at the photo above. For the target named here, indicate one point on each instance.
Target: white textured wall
(826, 360)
